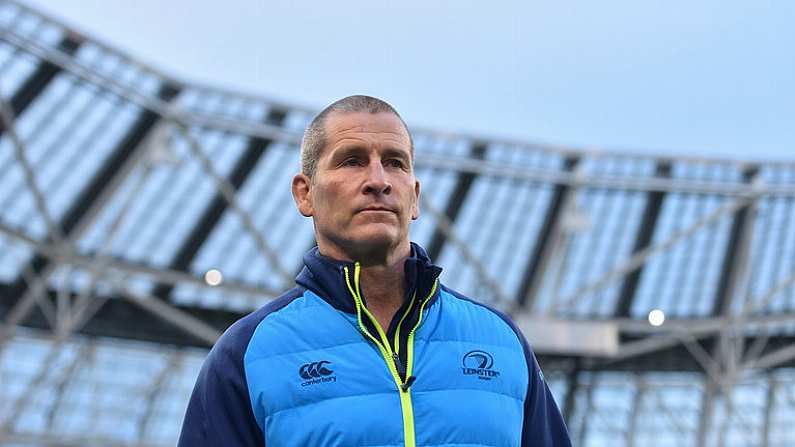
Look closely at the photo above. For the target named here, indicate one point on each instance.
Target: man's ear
(302, 194)
(415, 209)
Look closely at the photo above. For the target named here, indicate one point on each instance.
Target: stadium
(140, 213)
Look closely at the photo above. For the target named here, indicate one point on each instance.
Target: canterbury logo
(315, 370)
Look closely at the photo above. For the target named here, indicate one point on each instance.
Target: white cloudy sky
(705, 77)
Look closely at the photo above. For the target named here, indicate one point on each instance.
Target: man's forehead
(381, 124)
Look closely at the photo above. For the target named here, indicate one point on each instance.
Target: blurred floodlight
(656, 317)
(213, 277)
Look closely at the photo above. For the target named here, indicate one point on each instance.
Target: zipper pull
(402, 372)
(399, 366)
(409, 381)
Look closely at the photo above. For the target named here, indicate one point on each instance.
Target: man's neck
(382, 279)
(385, 289)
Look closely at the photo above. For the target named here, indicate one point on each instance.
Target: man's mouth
(376, 209)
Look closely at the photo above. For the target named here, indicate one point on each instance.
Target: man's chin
(368, 240)
(376, 240)
(377, 237)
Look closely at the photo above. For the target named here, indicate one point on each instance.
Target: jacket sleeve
(543, 423)
(219, 412)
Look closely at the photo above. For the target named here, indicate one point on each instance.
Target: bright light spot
(656, 317)
(213, 277)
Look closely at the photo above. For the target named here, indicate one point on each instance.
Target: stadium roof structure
(140, 215)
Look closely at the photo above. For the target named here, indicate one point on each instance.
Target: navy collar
(326, 277)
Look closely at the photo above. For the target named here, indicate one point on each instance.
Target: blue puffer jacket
(314, 368)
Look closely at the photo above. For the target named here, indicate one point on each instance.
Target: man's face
(364, 193)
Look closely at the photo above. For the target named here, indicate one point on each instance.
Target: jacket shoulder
(485, 313)
(234, 341)
(219, 411)
(543, 423)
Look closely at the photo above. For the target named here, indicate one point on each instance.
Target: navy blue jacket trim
(219, 412)
(326, 278)
(539, 404)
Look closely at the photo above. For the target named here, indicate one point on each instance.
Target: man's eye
(351, 162)
(395, 163)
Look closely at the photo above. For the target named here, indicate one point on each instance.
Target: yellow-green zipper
(400, 323)
(386, 350)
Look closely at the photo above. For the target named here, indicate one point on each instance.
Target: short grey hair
(314, 140)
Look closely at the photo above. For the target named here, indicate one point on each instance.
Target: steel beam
(21, 154)
(257, 147)
(641, 257)
(505, 170)
(572, 385)
(84, 352)
(770, 401)
(145, 319)
(154, 392)
(456, 202)
(774, 358)
(587, 413)
(643, 239)
(539, 259)
(637, 402)
(446, 227)
(735, 256)
(707, 411)
(478, 167)
(90, 200)
(22, 400)
(733, 285)
(673, 417)
(40, 78)
(130, 267)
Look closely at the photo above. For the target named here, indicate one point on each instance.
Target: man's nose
(377, 181)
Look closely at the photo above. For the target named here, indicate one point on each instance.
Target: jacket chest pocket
(344, 399)
(469, 394)
(467, 416)
(347, 420)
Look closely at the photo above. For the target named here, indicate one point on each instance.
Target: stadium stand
(140, 215)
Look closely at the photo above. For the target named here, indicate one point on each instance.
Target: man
(369, 349)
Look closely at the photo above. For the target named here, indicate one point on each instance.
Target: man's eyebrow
(344, 150)
(394, 152)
